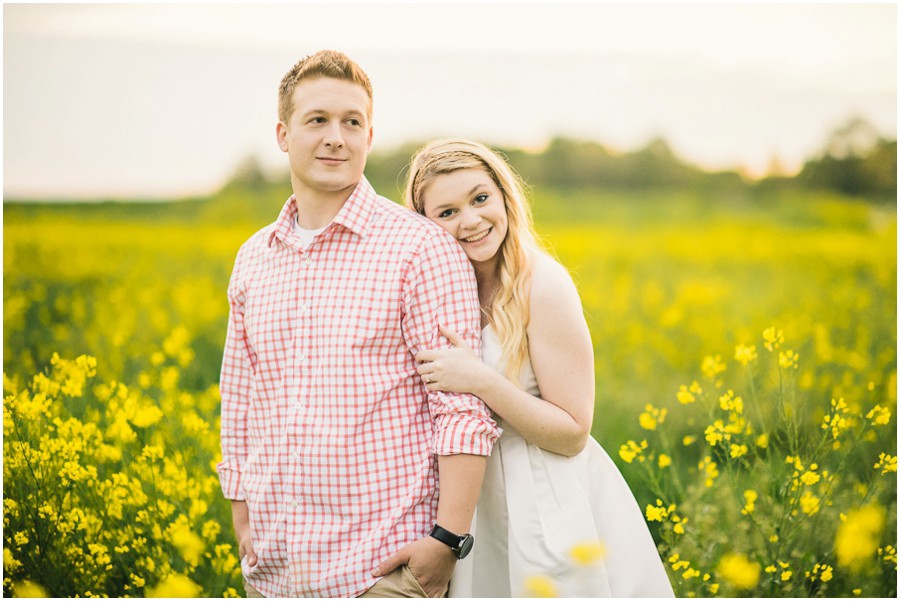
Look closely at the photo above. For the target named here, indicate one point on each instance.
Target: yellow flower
(186, 541)
(810, 478)
(772, 338)
(651, 417)
(762, 441)
(750, 497)
(175, 585)
(9, 562)
(879, 415)
(809, 503)
(836, 420)
(857, 591)
(788, 359)
(26, 588)
(152, 453)
(631, 450)
(144, 380)
(786, 575)
(678, 528)
(738, 450)
(540, 586)
(742, 573)
(647, 422)
(744, 354)
(771, 569)
(826, 574)
(666, 461)
(684, 396)
(729, 402)
(658, 512)
(588, 553)
(889, 555)
(714, 588)
(886, 463)
(688, 440)
(169, 378)
(690, 573)
(146, 415)
(857, 536)
(711, 468)
(713, 433)
(712, 366)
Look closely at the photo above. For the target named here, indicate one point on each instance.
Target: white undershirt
(305, 236)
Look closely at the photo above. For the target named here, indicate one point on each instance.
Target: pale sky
(164, 100)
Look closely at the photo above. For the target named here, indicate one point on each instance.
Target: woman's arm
(563, 361)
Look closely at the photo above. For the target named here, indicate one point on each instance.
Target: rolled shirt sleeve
(441, 290)
(235, 385)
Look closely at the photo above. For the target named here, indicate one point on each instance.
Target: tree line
(855, 160)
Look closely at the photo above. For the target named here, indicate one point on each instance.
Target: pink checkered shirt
(327, 430)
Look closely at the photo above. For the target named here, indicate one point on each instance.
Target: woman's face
(468, 204)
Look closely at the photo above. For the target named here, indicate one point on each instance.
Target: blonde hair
(324, 63)
(508, 312)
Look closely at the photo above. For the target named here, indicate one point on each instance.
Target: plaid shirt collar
(355, 214)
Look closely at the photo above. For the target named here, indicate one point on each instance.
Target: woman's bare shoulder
(552, 288)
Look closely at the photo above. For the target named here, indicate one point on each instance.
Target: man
(332, 449)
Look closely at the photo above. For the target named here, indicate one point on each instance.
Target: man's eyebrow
(323, 111)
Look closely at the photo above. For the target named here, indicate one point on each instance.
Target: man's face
(327, 137)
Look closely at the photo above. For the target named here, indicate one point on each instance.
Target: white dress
(536, 506)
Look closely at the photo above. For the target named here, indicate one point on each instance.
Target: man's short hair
(324, 63)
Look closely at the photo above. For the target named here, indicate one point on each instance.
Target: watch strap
(448, 538)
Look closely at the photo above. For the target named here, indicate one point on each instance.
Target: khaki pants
(398, 584)
(252, 593)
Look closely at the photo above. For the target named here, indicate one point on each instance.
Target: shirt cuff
(230, 479)
(462, 433)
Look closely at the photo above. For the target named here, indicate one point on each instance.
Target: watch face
(466, 546)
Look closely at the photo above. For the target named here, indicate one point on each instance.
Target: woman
(549, 488)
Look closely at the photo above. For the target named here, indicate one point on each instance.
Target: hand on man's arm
(431, 561)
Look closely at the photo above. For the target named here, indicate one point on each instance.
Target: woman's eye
(481, 198)
(445, 214)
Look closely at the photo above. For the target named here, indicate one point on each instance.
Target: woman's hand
(457, 369)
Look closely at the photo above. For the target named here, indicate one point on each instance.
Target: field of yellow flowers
(746, 377)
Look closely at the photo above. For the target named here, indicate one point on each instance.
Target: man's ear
(281, 136)
(369, 143)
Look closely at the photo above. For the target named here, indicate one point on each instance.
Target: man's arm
(441, 290)
(235, 384)
(431, 561)
(240, 517)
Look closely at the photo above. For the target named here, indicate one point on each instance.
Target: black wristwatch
(460, 545)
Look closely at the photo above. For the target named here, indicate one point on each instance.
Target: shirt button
(307, 260)
(304, 309)
(301, 358)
